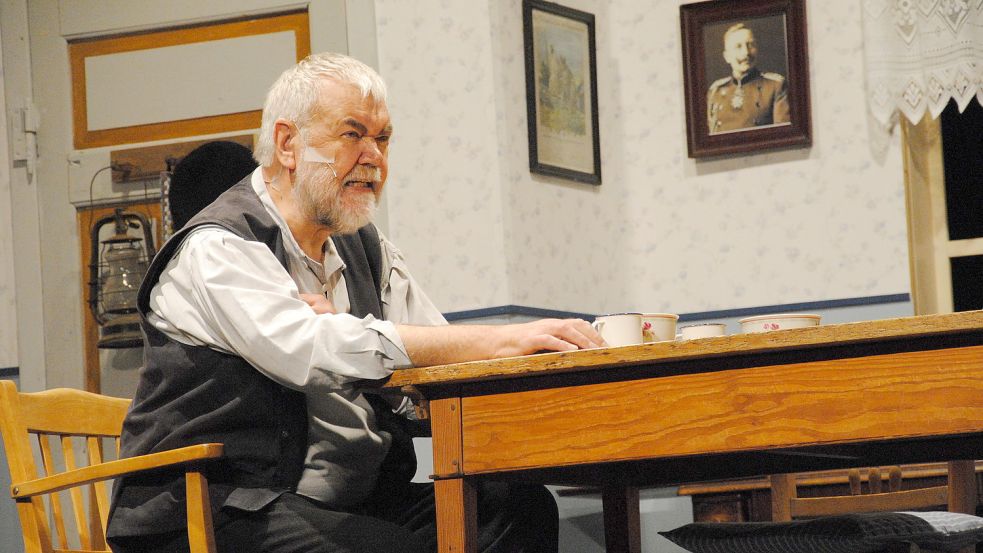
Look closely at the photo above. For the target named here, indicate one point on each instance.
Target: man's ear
(286, 136)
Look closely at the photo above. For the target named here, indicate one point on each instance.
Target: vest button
(284, 434)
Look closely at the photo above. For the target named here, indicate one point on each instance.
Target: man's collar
(752, 74)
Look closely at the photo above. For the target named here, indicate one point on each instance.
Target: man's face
(353, 132)
(740, 51)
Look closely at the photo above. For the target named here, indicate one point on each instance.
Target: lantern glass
(118, 265)
(125, 265)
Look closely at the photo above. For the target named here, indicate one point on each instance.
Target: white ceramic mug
(658, 327)
(620, 329)
(703, 330)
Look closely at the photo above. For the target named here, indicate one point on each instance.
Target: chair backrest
(883, 493)
(69, 428)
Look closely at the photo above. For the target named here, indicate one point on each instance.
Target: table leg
(457, 523)
(622, 524)
(457, 505)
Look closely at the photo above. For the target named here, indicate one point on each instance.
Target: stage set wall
(819, 228)
(663, 232)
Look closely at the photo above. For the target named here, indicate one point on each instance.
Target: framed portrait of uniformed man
(746, 76)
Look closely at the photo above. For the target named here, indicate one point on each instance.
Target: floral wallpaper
(444, 191)
(663, 232)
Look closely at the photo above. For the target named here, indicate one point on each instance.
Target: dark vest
(189, 395)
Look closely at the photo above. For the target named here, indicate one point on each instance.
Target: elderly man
(748, 97)
(263, 316)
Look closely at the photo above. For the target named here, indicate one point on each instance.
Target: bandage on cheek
(314, 156)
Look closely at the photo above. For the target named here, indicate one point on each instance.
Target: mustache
(364, 174)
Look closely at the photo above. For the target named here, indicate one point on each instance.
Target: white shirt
(232, 295)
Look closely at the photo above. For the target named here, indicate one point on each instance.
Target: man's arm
(232, 295)
(438, 345)
(429, 341)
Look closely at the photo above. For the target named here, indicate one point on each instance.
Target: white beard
(324, 198)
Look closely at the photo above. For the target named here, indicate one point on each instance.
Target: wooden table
(904, 390)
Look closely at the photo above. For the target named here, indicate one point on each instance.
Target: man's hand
(546, 334)
(439, 345)
(318, 303)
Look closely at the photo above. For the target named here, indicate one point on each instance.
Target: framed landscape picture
(561, 92)
(746, 76)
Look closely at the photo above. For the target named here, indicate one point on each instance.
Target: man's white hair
(295, 95)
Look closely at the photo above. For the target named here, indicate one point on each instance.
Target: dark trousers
(511, 519)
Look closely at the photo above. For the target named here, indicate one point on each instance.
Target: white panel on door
(185, 81)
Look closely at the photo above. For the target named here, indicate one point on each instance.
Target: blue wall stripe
(505, 310)
(9, 372)
(795, 307)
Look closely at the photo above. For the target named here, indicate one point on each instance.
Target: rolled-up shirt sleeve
(231, 294)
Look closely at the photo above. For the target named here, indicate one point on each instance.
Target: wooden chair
(958, 495)
(65, 421)
(859, 521)
(883, 494)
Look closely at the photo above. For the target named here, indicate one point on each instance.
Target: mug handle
(598, 326)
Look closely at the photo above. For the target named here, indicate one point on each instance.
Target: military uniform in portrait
(756, 99)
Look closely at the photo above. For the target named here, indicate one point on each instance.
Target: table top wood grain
(874, 333)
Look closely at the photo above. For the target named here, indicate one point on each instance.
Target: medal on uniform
(737, 100)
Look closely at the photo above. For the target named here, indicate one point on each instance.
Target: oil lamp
(116, 268)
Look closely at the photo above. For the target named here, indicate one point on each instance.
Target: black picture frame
(561, 92)
(724, 116)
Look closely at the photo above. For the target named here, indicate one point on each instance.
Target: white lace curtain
(920, 54)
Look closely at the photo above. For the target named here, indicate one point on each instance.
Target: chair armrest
(114, 469)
